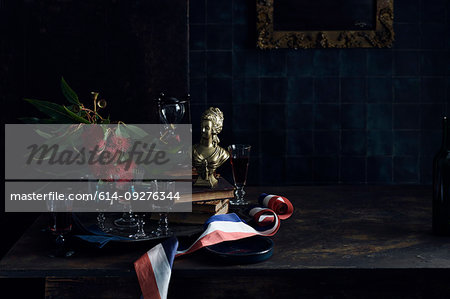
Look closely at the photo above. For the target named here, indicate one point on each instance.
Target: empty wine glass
(171, 110)
(127, 220)
(163, 229)
(103, 186)
(140, 221)
(138, 188)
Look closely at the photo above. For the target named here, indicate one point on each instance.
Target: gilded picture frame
(382, 36)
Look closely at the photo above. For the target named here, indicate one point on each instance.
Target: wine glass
(100, 186)
(103, 186)
(171, 110)
(163, 229)
(127, 220)
(239, 158)
(138, 187)
(60, 224)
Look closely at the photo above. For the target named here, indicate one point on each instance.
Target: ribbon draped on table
(154, 268)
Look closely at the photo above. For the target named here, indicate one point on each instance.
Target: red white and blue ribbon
(153, 269)
(279, 204)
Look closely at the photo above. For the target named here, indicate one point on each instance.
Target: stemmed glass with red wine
(60, 224)
(239, 158)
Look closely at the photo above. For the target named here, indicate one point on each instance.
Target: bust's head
(212, 123)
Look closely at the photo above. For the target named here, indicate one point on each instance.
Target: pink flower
(91, 136)
(102, 172)
(101, 145)
(123, 174)
(119, 143)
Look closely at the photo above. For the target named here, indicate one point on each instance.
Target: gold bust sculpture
(207, 155)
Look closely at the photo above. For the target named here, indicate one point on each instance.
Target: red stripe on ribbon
(281, 206)
(216, 237)
(267, 220)
(146, 277)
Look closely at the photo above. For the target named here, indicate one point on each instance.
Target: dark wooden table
(341, 242)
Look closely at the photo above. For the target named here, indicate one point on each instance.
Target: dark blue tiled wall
(325, 115)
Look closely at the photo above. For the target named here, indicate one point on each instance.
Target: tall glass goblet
(141, 190)
(239, 158)
(127, 220)
(103, 187)
(165, 188)
(171, 110)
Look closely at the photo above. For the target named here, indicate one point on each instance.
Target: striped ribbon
(279, 204)
(154, 268)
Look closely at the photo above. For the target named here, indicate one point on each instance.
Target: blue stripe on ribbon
(170, 247)
(261, 198)
(231, 217)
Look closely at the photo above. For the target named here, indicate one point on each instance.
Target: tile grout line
(419, 68)
(340, 130)
(392, 127)
(205, 56)
(419, 159)
(366, 94)
(314, 110)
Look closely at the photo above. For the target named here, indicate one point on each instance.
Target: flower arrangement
(99, 139)
(74, 112)
(100, 136)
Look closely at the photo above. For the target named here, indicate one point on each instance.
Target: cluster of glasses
(171, 111)
(130, 220)
(162, 230)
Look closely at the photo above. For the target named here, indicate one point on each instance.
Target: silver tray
(86, 220)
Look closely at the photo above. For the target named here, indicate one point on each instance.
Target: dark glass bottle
(441, 185)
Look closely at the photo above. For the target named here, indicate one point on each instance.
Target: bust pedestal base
(210, 181)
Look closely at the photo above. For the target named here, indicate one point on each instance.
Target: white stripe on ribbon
(280, 198)
(267, 199)
(255, 210)
(230, 227)
(161, 268)
(264, 217)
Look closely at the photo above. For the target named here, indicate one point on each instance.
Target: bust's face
(207, 129)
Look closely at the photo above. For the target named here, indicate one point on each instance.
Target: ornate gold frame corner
(381, 37)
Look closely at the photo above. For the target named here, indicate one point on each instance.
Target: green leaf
(135, 131)
(55, 111)
(75, 116)
(43, 134)
(118, 132)
(30, 120)
(68, 92)
(121, 131)
(35, 120)
(70, 138)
